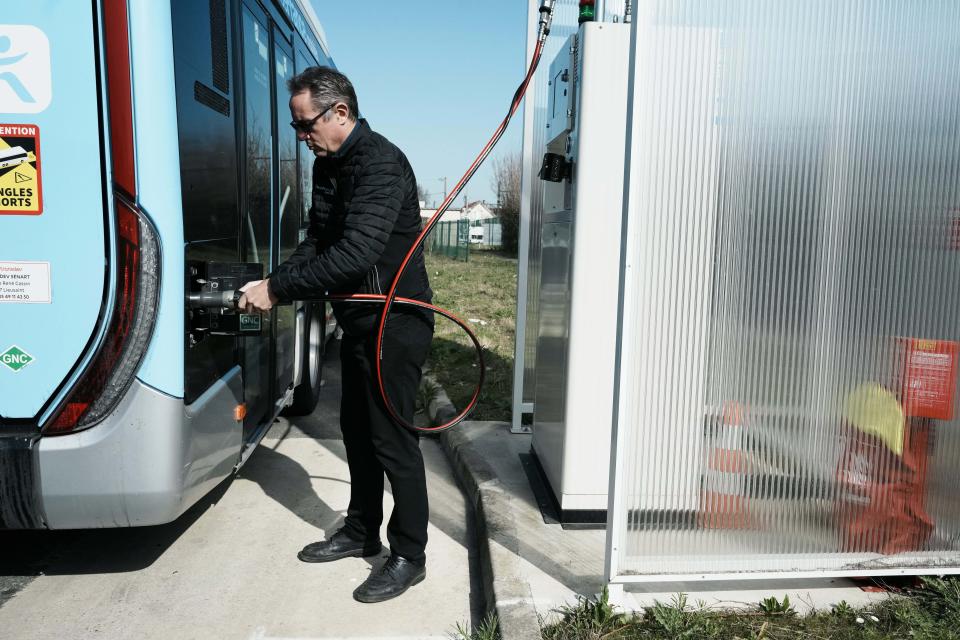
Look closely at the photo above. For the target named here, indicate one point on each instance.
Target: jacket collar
(360, 131)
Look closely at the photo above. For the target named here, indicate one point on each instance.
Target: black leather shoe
(393, 578)
(337, 546)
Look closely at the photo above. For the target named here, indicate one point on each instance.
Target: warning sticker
(930, 378)
(25, 282)
(20, 176)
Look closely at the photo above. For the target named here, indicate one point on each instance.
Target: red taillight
(119, 91)
(91, 386)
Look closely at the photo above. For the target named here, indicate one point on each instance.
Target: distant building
(474, 211)
(450, 215)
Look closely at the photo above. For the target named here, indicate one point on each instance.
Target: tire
(307, 393)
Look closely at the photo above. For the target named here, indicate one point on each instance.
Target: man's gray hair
(327, 86)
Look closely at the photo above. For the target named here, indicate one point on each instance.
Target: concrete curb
(506, 592)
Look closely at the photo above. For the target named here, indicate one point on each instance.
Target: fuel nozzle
(213, 299)
(546, 19)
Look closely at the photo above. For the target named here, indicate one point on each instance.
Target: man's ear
(343, 111)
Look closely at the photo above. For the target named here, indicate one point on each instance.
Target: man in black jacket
(364, 219)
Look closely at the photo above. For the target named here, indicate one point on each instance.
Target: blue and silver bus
(150, 162)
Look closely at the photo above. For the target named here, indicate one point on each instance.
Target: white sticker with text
(25, 282)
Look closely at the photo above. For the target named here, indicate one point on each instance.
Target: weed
(929, 612)
(772, 606)
(427, 393)
(842, 608)
(589, 618)
(488, 629)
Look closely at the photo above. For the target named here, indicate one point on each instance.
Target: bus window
(288, 205)
(304, 60)
(207, 108)
(257, 210)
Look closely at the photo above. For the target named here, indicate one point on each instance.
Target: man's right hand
(256, 297)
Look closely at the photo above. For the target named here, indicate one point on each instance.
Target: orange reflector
(240, 412)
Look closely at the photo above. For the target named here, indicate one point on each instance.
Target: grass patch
(484, 290)
(928, 612)
(488, 629)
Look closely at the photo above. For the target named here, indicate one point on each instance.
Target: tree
(507, 170)
(423, 195)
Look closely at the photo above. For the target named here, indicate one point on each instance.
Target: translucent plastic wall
(791, 302)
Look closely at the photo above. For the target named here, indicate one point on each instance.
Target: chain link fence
(486, 234)
(451, 239)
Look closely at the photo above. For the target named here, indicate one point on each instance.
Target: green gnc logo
(15, 358)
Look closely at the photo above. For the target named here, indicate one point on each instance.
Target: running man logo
(25, 78)
(15, 358)
(20, 177)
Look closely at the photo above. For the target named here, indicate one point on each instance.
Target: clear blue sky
(434, 77)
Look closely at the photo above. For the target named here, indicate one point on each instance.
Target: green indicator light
(588, 12)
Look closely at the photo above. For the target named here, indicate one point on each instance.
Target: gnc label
(15, 358)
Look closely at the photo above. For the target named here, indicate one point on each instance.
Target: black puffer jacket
(364, 218)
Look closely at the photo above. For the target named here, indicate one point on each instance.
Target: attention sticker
(20, 176)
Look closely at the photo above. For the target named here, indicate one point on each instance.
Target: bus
(150, 161)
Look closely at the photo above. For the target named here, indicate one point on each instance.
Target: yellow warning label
(20, 175)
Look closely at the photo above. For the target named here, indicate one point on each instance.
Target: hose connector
(546, 19)
(213, 300)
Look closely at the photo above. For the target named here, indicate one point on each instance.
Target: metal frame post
(616, 500)
(523, 236)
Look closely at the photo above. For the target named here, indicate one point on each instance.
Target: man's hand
(256, 297)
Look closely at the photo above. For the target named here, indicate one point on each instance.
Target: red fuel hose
(391, 297)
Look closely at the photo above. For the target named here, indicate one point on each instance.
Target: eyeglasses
(306, 126)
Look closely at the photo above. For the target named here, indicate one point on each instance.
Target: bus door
(287, 202)
(257, 214)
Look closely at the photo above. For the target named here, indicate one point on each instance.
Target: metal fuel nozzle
(213, 299)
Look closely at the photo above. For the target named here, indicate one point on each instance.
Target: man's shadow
(286, 481)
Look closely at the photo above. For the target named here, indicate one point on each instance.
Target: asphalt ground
(228, 567)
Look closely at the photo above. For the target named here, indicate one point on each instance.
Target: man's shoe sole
(374, 600)
(358, 553)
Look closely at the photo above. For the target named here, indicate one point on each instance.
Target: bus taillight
(112, 369)
(117, 41)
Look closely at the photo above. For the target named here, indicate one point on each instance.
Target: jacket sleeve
(369, 221)
(304, 251)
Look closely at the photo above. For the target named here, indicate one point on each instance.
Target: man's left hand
(256, 297)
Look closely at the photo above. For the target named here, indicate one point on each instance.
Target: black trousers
(375, 444)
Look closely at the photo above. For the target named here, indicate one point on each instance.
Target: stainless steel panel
(553, 338)
(564, 25)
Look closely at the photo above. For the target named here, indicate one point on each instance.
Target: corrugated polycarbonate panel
(613, 10)
(791, 304)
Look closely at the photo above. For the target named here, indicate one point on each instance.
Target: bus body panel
(68, 236)
(167, 443)
(147, 464)
(158, 162)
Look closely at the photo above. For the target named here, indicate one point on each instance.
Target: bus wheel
(307, 393)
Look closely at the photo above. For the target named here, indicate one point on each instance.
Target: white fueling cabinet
(580, 267)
